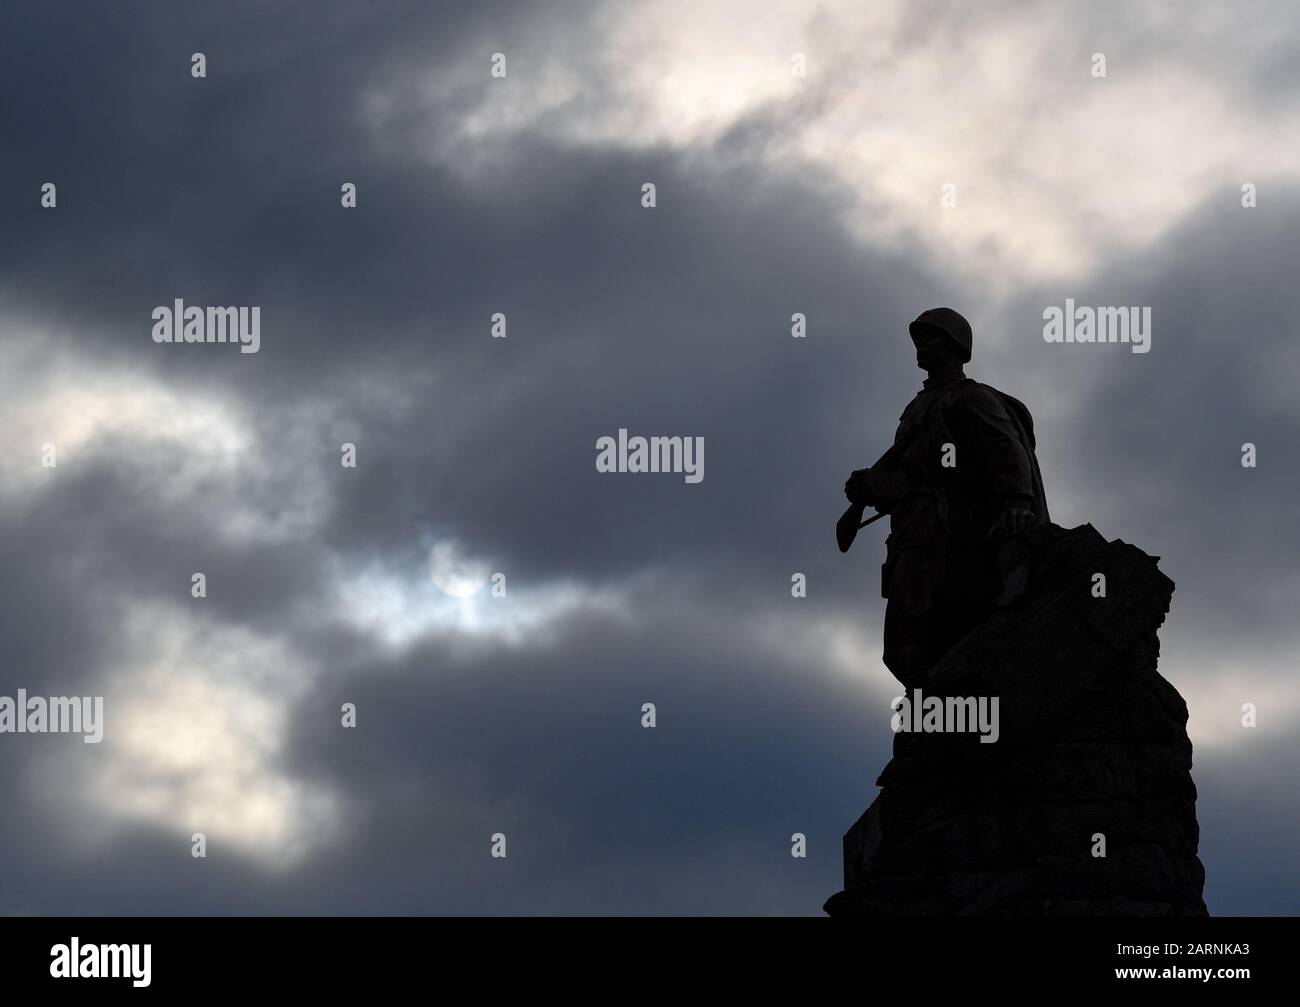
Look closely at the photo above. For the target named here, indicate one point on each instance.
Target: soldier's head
(942, 338)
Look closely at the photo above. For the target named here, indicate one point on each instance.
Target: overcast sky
(776, 194)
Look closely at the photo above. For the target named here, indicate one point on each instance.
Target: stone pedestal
(1092, 749)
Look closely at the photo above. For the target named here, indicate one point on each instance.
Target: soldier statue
(959, 484)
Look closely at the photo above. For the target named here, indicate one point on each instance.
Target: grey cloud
(375, 330)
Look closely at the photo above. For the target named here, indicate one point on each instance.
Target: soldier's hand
(1013, 520)
(855, 487)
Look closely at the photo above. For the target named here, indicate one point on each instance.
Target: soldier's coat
(938, 547)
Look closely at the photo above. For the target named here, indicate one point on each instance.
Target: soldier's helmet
(950, 323)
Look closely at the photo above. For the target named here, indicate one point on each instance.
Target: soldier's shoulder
(972, 392)
(993, 402)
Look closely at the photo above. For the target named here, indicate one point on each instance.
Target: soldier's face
(933, 348)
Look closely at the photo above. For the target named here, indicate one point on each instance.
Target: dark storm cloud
(577, 783)
(674, 321)
(1155, 441)
(622, 328)
(628, 319)
(1154, 447)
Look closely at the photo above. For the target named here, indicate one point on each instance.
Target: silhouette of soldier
(959, 484)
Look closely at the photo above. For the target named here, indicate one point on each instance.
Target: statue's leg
(914, 643)
(905, 651)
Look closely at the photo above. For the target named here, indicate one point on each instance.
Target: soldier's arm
(879, 484)
(885, 482)
(983, 418)
(855, 488)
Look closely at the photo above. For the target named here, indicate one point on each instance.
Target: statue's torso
(940, 516)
